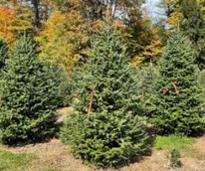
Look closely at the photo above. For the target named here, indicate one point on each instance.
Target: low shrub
(174, 158)
(106, 140)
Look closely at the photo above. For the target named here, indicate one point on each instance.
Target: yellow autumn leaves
(63, 39)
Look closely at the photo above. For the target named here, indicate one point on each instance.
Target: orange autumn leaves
(7, 22)
(13, 20)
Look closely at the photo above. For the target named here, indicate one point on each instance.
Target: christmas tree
(193, 25)
(178, 107)
(27, 97)
(106, 129)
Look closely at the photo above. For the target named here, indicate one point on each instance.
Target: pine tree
(27, 97)
(3, 53)
(106, 130)
(193, 21)
(178, 107)
(193, 25)
(107, 82)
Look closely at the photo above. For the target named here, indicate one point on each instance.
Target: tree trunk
(37, 13)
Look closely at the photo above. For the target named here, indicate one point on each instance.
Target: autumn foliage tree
(15, 18)
(63, 39)
(142, 39)
(145, 44)
(7, 22)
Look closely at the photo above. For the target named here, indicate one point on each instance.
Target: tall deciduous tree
(15, 18)
(142, 39)
(63, 41)
(7, 22)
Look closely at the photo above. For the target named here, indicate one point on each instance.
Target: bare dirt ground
(56, 155)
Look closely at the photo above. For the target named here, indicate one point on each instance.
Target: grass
(173, 142)
(49, 168)
(12, 161)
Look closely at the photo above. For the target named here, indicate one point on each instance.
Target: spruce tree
(178, 106)
(107, 82)
(193, 25)
(3, 53)
(27, 97)
(106, 129)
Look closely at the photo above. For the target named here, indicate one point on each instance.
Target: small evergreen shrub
(179, 108)
(105, 139)
(106, 129)
(174, 158)
(27, 97)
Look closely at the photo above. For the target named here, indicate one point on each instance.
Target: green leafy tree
(106, 129)
(178, 106)
(27, 95)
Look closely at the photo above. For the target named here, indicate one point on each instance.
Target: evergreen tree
(107, 82)
(27, 95)
(178, 107)
(146, 78)
(106, 130)
(193, 25)
(3, 53)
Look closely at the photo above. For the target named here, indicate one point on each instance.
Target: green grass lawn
(13, 162)
(173, 142)
(49, 168)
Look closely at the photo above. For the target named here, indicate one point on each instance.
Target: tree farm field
(55, 156)
(102, 85)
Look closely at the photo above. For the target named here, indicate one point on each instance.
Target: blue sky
(153, 9)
